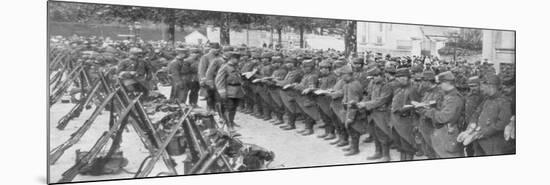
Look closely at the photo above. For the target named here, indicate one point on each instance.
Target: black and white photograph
(140, 92)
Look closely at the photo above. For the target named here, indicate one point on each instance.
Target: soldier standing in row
(424, 125)
(401, 117)
(445, 118)
(288, 96)
(208, 92)
(327, 79)
(337, 106)
(229, 86)
(184, 77)
(279, 73)
(377, 104)
(305, 101)
(472, 101)
(492, 116)
(353, 93)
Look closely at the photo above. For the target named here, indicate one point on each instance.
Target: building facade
(499, 47)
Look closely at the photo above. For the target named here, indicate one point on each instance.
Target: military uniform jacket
(492, 116)
(353, 92)
(446, 117)
(228, 81)
(310, 80)
(183, 71)
(204, 63)
(141, 68)
(400, 118)
(212, 71)
(326, 82)
(377, 102)
(336, 103)
(473, 100)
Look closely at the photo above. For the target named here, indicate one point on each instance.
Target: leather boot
(409, 156)
(402, 156)
(354, 147)
(322, 135)
(330, 136)
(337, 141)
(308, 131)
(377, 152)
(291, 123)
(385, 153)
(368, 139)
(288, 127)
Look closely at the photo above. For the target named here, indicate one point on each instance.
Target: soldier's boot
(257, 111)
(354, 147)
(422, 150)
(309, 128)
(368, 139)
(402, 156)
(267, 114)
(409, 156)
(385, 153)
(378, 151)
(280, 119)
(330, 130)
(337, 141)
(322, 136)
(345, 139)
(291, 123)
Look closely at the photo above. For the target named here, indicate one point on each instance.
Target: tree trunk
(302, 37)
(350, 38)
(280, 36)
(224, 29)
(171, 21)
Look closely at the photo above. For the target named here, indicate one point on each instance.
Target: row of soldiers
(445, 110)
(418, 112)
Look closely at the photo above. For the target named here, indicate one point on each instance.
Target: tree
(350, 38)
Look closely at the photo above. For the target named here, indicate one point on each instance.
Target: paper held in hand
(249, 74)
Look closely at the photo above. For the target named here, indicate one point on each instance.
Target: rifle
(149, 167)
(77, 109)
(59, 91)
(89, 158)
(217, 154)
(57, 152)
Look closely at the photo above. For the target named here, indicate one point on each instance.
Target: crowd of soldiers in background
(418, 105)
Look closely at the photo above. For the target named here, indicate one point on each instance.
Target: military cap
(445, 76)
(402, 72)
(290, 60)
(374, 71)
(135, 50)
(325, 63)
(428, 75)
(491, 79)
(277, 59)
(181, 49)
(227, 49)
(215, 45)
(345, 70)
(339, 63)
(234, 54)
(308, 63)
(474, 80)
(416, 69)
(267, 55)
(358, 61)
(390, 69)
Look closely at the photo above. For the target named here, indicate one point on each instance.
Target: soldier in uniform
(184, 77)
(401, 117)
(490, 118)
(134, 72)
(265, 70)
(211, 73)
(305, 101)
(327, 79)
(445, 118)
(377, 104)
(287, 95)
(207, 91)
(279, 73)
(337, 106)
(251, 97)
(425, 126)
(353, 92)
(229, 86)
(472, 101)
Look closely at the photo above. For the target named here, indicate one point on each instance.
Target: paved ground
(291, 149)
